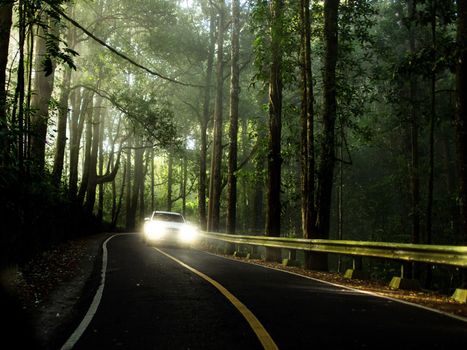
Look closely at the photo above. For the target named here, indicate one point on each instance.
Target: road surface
(173, 298)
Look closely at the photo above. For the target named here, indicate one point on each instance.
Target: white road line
(74, 337)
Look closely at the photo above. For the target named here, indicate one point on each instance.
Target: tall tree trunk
(431, 142)
(258, 221)
(273, 216)
(410, 269)
(17, 121)
(307, 130)
(100, 204)
(153, 198)
(78, 118)
(117, 206)
(5, 27)
(88, 147)
(461, 118)
(215, 186)
(137, 184)
(61, 128)
(91, 182)
(169, 180)
(326, 169)
(184, 182)
(245, 192)
(63, 116)
(233, 132)
(129, 221)
(204, 125)
(43, 92)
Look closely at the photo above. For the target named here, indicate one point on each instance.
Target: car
(169, 228)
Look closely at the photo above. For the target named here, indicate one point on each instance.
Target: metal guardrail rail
(432, 254)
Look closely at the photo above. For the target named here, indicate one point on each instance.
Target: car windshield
(168, 217)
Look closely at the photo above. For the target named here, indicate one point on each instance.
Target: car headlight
(188, 234)
(154, 230)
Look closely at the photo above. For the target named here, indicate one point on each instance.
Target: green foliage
(57, 54)
(153, 117)
(261, 27)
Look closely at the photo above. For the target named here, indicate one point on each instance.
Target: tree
(327, 158)
(273, 217)
(78, 117)
(307, 129)
(204, 123)
(233, 132)
(63, 114)
(461, 116)
(6, 8)
(215, 184)
(44, 84)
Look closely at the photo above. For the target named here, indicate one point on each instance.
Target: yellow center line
(261, 332)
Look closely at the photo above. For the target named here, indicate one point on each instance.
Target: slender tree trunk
(169, 180)
(61, 128)
(118, 204)
(273, 216)
(204, 125)
(431, 141)
(62, 117)
(307, 129)
(153, 198)
(93, 158)
(87, 155)
(138, 182)
(215, 186)
(246, 217)
(142, 203)
(40, 101)
(114, 197)
(184, 182)
(129, 223)
(410, 270)
(258, 222)
(461, 118)
(100, 204)
(93, 180)
(5, 27)
(18, 120)
(78, 118)
(303, 121)
(27, 124)
(233, 132)
(326, 169)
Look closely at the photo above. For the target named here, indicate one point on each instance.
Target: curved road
(151, 301)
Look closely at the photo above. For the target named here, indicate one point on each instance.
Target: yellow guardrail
(432, 254)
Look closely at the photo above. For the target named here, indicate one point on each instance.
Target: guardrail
(432, 254)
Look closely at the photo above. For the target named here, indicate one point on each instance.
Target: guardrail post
(405, 283)
(460, 294)
(229, 248)
(253, 254)
(236, 250)
(356, 272)
(292, 259)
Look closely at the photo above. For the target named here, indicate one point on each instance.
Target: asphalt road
(151, 301)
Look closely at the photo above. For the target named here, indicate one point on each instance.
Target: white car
(165, 227)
